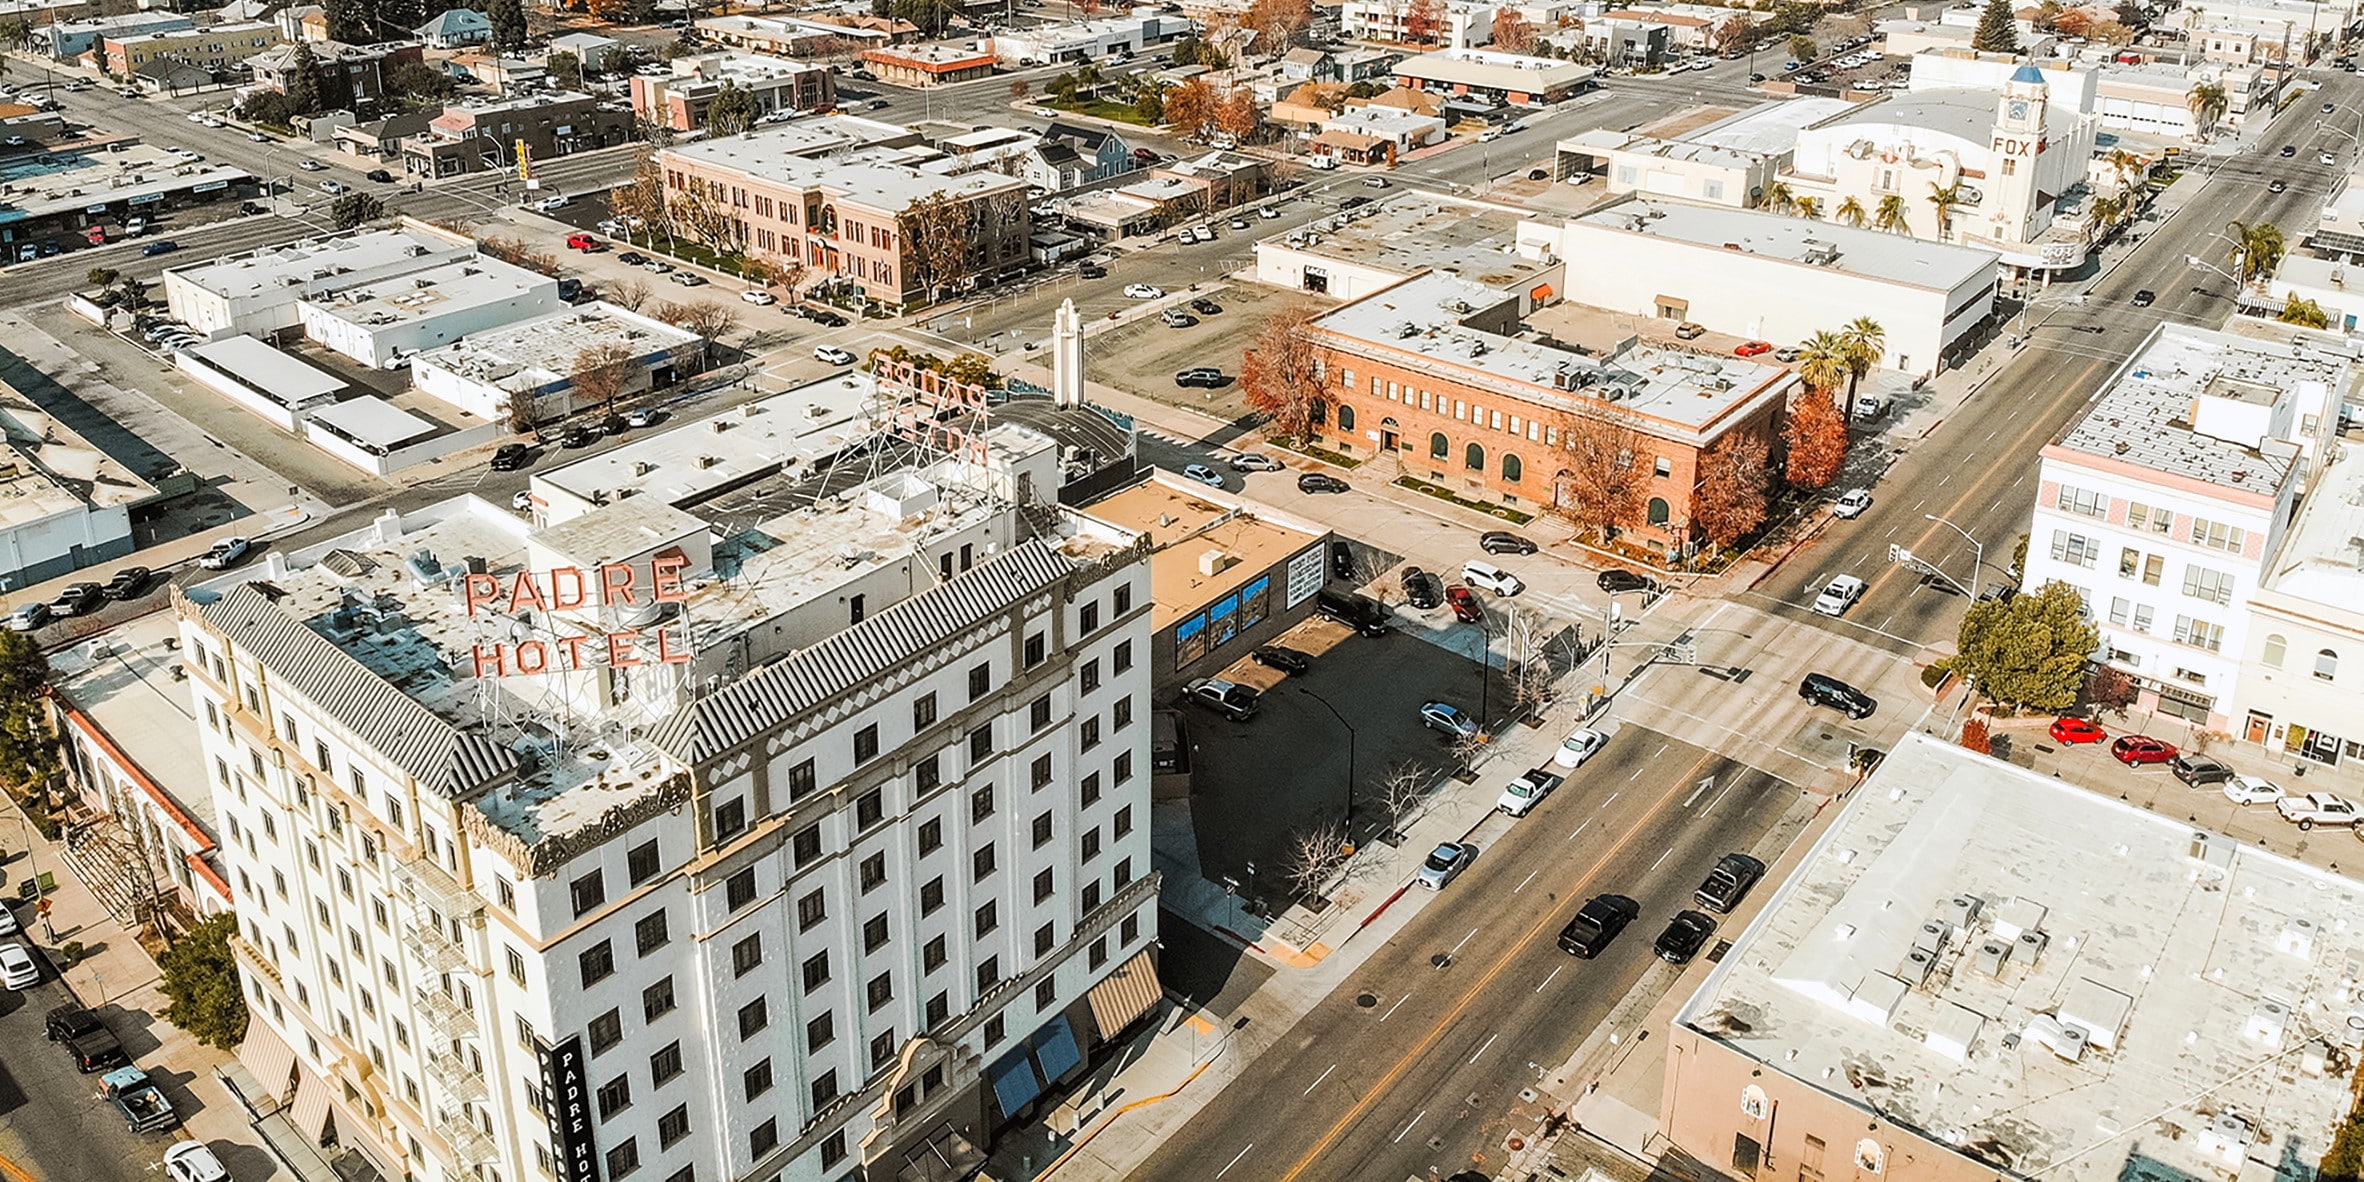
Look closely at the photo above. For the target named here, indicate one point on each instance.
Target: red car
(2076, 730)
(1465, 604)
(2134, 749)
(1752, 348)
(584, 242)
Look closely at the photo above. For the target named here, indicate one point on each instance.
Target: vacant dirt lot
(1144, 356)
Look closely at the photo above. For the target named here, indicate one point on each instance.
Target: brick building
(216, 48)
(473, 137)
(350, 77)
(679, 100)
(844, 220)
(1428, 371)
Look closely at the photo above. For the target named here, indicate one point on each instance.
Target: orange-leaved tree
(1817, 439)
(1278, 378)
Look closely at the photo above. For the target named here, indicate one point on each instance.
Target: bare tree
(942, 232)
(629, 294)
(1602, 482)
(518, 412)
(1313, 857)
(1529, 662)
(705, 318)
(1467, 748)
(602, 373)
(700, 214)
(1406, 785)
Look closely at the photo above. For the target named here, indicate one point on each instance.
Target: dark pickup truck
(86, 1039)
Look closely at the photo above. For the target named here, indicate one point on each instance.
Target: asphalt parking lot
(1144, 355)
(1285, 770)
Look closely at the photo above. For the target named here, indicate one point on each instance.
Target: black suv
(86, 1039)
(1200, 375)
(1500, 541)
(1597, 923)
(1422, 589)
(1354, 611)
(509, 457)
(1617, 582)
(2200, 771)
(1824, 690)
(1728, 883)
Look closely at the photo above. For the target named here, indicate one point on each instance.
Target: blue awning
(1014, 1084)
(1055, 1049)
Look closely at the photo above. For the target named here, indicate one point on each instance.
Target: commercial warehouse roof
(2115, 994)
(1891, 258)
(281, 377)
(313, 263)
(1490, 70)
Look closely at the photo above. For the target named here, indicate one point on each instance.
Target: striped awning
(310, 1116)
(1126, 994)
(270, 1060)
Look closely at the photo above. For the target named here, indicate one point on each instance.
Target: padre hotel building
(812, 847)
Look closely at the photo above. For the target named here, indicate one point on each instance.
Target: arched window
(1345, 417)
(2326, 664)
(1438, 448)
(1659, 512)
(1474, 458)
(1512, 469)
(2275, 649)
(1321, 414)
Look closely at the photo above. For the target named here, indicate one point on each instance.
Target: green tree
(267, 107)
(1945, 198)
(2304, 313)
(420, 84)
(507, 18)
(2258, 248)
(2208, 103)
(1996, 31)
(1893, 215)
(1850, 212)
(201, 983)
(1822, 361)
(355, 208)
(17, 34)
(1866, 345)
(303, 81)
(733, 110)
(2030, 652)
(1802, 47)
(346, 21)
(28, 749)
(565, 69)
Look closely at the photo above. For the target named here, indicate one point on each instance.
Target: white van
(1489, 577)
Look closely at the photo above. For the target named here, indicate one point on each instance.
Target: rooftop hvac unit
(1916, 968)
(2213, 853)
(2350, 1030)
(1962, 911)
(2297, 938)
(1992, 956)
(2226, 1139)
(1932, 936)
(2057, 1036)
(2267, 1022)
(2028, 948)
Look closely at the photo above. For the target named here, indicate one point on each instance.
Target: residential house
(382, 139)
(349, 77)
(488, 134)
(455, 28)
(679, 100)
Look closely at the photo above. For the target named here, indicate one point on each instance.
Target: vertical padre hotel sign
(568, 588)
(566, 1097)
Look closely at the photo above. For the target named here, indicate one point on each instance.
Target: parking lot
(1285, 770)
(1144, 355)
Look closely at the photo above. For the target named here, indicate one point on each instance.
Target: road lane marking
(1661, 751)
(1317, 1080)
(1711, 805)
(1524, 881)
(1243, 1152)
(1662, 858)
(1465, 939)
(1399, 1004)
(1399, 1137)
(1701, 790)
(1578, 829)
(1612, 799)
(1555, 973)
(1482, 1047)
(1637, 774)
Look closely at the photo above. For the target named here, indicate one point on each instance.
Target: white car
(523, 502)
(555, 201)
(224, 553)
(1579, 746)
(2243, 790)
(1851, 503)
(1143, 291)
(763, 299)
(257, 137)
(7, 921)
(2316, 808)
(311, 166)
(1839, 595)
(18, 970)
(333, 188)
(193, 1161)
(1527, 791)
(833, 355)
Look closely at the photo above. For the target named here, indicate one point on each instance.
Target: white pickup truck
(2316, 808)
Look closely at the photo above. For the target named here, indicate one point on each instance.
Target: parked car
(136, 1098)
(631, 258)
(1684, 936)
(2316, 808)
(1250, 461)
(761, 299)
(28, 617)
(129, 582)
(577, 437)
(1580, 745)
(643, 416)
(1092, 271)
(2246, 790)
(1596, 924)
(1528, 790)
(823, 317)
(580, 241)
(1728, 883)
(1752, 348)
(225, 553)
(2139, 749)
(1143, 291)
(1688, 331)
(689, 279)
(1230, 699)
(1446, 717)
(1203, 376)
(2074, 731)
(193, 1161)
(2199, 771)
(1822, 689)
(1203, 474)
(1177, 318)
(1488, 577)
(552, 203)
(380, 175)
(1422, 590)
(1354, 611)
(18, 970)
(1285, 659)
(833, 355)
(86, 1040)
(1502, 541)
(1838, 595)
(1320, 482)
(1444, 863)
(1851, 503)
(1464, 603)
(77, 599)
(1618, 582)
(1207, 307)
(509, 457)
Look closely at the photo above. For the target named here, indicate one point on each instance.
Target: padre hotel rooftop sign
(618, 585)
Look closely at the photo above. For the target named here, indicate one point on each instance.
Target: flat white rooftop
(693, 460)
(1412, 234)
(2144, 417)
(436, 291)
(313, 263)
(2322, 559)
(2192, 971)
(285, 379)
(530, 354)
(125, 682)
(768, 153)
(48, 468)
(1769, 128)
(374, 423)
(1890, 258)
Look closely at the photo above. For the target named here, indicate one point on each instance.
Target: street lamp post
(1977, 550)
(1325, 704)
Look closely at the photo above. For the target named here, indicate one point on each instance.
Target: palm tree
(1850, 211)
(2258, 248)
(2101, 213)
(1945, 198)
(1892, 216)
(2127, 166)
(1809, 207)
(1779, 198)
(1866, 344)
(1822, 361)
(2208, 104)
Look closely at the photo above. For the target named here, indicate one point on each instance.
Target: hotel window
(2074, 549)
(2083, 502)
(2201, 583)
(2218, 536)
